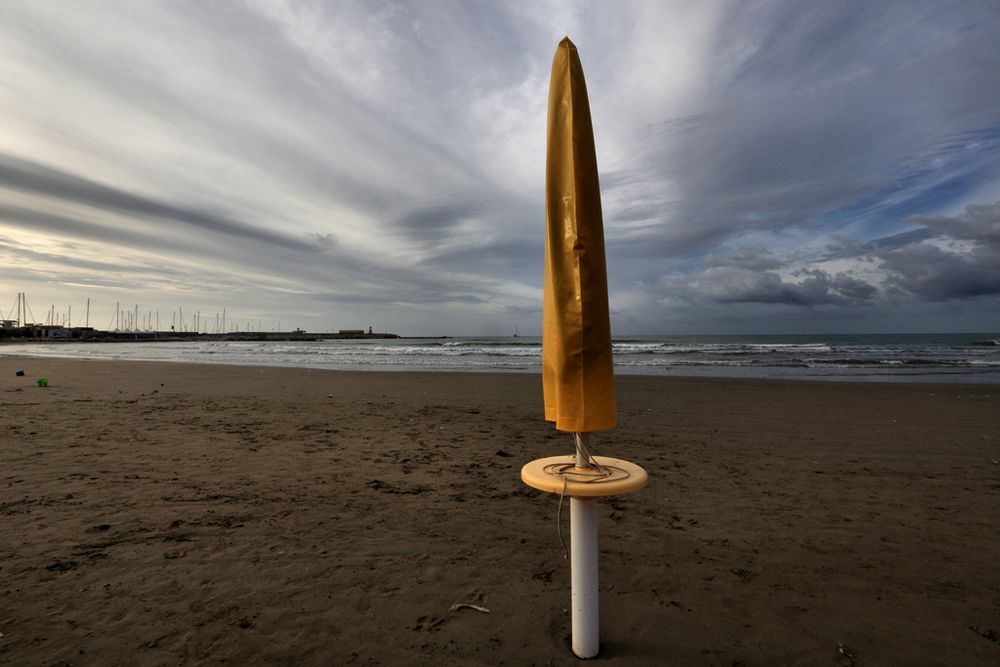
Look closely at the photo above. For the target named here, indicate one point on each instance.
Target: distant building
(8, 324)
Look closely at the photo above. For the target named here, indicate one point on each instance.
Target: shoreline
(958, 376)
(443, 374)
(164, 513)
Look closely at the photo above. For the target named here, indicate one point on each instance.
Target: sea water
(882, 357)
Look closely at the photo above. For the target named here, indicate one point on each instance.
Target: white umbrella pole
(583, 566)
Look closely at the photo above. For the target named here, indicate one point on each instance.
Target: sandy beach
(164, 514)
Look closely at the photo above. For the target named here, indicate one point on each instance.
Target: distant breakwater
(190, 336)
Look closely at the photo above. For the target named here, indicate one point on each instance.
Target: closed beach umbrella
(577, 376)
(577, 373)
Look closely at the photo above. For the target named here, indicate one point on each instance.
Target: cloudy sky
(766, 167)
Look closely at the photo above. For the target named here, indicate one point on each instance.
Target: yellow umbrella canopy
(577, 375)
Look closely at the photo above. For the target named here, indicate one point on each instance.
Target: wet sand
(164, 514)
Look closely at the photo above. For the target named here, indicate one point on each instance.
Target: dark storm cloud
(25, 176)
(842, 246)
(498, 248)
(733, 285)
(504, 257)
(364, 281)
(80, 228)
(399, 295)
(978, 223)
(121, 240)
(639, 212)
(745, 257)
(932, 273)
(924, 263)
(942, 273)
(681, 125)
(20, 255)
(437, 221)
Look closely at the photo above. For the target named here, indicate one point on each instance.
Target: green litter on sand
(43, 382)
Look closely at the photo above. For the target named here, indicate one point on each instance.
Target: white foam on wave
(664, 356)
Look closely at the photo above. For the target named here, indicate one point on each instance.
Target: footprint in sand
(428, 623)
(744, 574)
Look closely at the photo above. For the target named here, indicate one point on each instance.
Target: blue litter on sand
(19, 373)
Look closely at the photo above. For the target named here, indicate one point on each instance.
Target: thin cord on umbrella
(580, 439)
(562, 542)
(592, 473)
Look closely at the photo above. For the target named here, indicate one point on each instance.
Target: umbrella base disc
(556, 474)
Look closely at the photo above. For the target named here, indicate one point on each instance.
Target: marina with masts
(130, 323)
